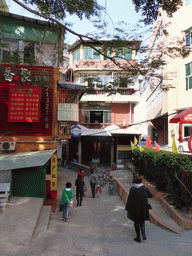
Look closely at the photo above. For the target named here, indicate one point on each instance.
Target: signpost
(76, 131)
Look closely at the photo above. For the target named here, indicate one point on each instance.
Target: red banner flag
(148, 143)
(157, 147)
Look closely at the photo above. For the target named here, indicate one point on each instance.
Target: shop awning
(183, 117)
(25, 159)
(93, 132)
(70, 85)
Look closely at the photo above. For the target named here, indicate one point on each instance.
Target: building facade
(107, 106)
(169, 86)
(29, 72)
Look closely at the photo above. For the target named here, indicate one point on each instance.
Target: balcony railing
(100, 125)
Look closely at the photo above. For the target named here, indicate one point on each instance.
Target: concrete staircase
(24, 219)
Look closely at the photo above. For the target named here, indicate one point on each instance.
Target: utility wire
(149, 120)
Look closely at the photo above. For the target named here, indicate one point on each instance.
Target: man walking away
(93, 182)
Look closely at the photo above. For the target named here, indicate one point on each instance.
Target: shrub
(169, 172)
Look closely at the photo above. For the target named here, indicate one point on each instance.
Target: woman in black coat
(79, 183)
(137, 206)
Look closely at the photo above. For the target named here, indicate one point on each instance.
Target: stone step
(42, 221)
(19, 220)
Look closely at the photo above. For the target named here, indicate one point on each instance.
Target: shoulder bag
(70, 202)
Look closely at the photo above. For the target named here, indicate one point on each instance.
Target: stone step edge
(154, 218)
(43, 221)
(178, 218)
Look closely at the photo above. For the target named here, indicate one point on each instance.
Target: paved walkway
(99, 228)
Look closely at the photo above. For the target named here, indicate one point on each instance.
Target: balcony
(100, 125)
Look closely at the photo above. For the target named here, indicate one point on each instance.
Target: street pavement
(99, 227)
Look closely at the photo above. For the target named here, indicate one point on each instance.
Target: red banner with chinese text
(23, 79)
(24, 105)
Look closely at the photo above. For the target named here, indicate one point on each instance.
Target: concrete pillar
(79, 151)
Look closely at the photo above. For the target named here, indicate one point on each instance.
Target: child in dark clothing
(79, 183)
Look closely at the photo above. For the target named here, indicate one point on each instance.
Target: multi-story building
(30, 91)
(107, 106)
(169, 86)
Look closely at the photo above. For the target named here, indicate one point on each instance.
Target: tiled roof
(105, 64)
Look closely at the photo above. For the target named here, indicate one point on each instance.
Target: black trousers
(79, 197)
(93, 185)
(140, 228)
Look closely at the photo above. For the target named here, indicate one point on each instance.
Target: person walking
(93, 182)
(67, 196)
(79, 183)
(137, 206)
(81, 172)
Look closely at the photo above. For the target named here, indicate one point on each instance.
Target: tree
(55, 11)
(150, 8)
(49, 10)
(59, 8)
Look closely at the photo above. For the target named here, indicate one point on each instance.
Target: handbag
(61, 206)
(149, 206)
(84, 189)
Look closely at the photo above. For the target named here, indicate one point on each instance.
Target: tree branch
(80, 36)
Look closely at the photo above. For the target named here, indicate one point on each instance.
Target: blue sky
(117, 10)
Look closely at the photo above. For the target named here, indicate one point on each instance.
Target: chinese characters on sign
(54, 172)
(47, 108)
(24, 75)
(24, 106)
(8, 75)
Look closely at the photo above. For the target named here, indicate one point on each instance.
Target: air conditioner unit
(7, 145)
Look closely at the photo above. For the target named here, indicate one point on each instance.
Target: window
(76, 56)
(109, 52)
(9, 51)
(187, 2)
(5, 56)
(125, 53)
(106, 116)
(188, 74)
(96, 116)
(91, 54)
(188, 37)
(106, 80)
(123, 82)
(29, 54)
(85, 116)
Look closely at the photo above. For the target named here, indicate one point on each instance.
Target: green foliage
(169, 172)
(156, 63)
(150, 8)
(60, 8)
